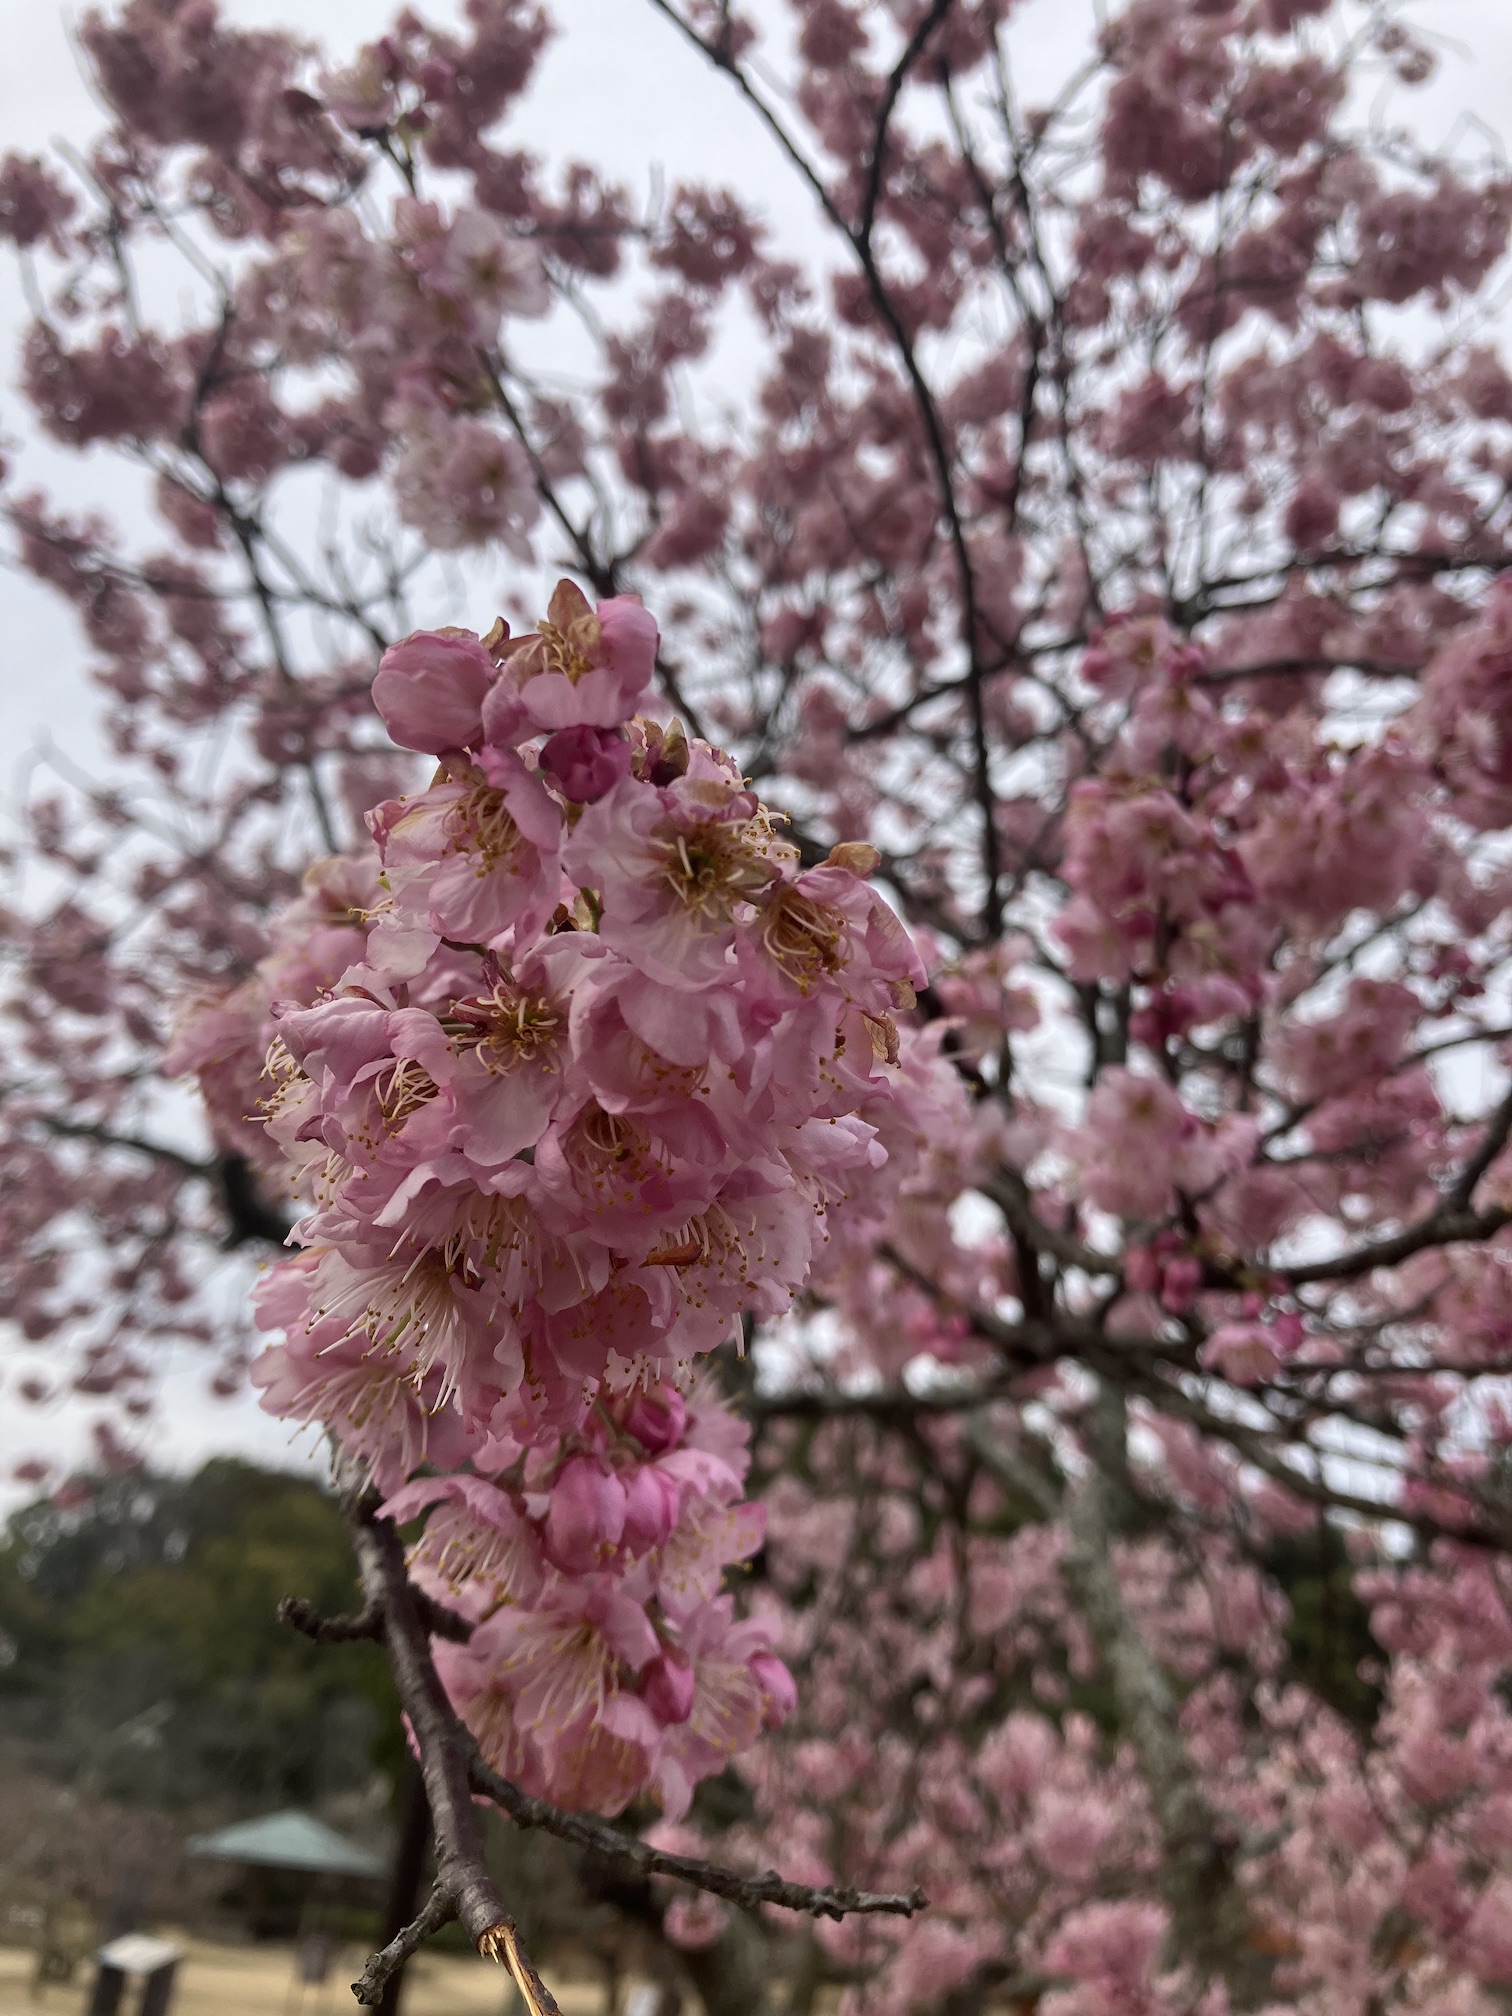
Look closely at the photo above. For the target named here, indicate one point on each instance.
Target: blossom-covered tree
(1103, 563)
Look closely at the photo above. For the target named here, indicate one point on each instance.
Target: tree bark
(404, 1883)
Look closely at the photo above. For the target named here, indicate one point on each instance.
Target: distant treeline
(141, 1659)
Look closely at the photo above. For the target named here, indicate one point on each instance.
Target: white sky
(617, 87)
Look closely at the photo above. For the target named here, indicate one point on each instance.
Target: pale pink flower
(467, 859)
(581, 667)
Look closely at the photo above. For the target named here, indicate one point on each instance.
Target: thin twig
(437, 1910)
(599, 1838)
(911, 54)
(302, 1616)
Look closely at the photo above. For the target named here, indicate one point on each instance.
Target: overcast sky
(618, 87)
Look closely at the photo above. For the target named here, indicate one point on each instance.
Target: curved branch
(302, 1616)
(134, 1144)
(934, 432)
(1496, 1135)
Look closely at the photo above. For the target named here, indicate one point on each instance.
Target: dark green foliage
(143, 1660)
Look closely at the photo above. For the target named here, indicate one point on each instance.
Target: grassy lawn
(260, 1981)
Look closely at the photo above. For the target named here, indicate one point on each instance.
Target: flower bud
(430, 690)
(652, 1503)
(657, 1419)
(586, 762)
(586, 1516)
(668, 1689)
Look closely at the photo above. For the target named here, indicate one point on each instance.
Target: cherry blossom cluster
(569, 1085)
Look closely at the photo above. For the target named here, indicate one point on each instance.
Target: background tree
(144, 1662)
(1112, 539)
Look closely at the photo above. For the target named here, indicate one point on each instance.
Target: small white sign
(139, 1953)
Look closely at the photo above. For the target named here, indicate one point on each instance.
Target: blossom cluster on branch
(604, 1065)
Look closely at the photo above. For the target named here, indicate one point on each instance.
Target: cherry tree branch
(302, 1616)
(437, 1910)
(250, 1218)
(1495, 1140)
(462, 1876)
(1449, 1225)
(1011, 1194)
(639, 1858)
(930, 420)
(914, 48)
(891, 1404)
(133, 1144)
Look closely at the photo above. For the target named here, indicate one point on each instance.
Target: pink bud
(430, 689)
(668, 1689)
(586, 762)
(657, 1419)
(629, 638)
(586, 1516)
(652, 1502)
(778, 1690)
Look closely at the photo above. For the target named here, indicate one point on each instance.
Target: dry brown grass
(260, 1981)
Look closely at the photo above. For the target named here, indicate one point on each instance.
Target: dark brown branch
(1315, 663)
(1268, 1454)
(250, 1218)
(134, 1144)
(461, 1869)
(1447, 1226)
(597, 1837)
(301, 1615)
(1497, 1131)
(439, 1621)
(1011, 1194)
(886, 1403)
(911, 54)
(938, 447)
(437, 1910)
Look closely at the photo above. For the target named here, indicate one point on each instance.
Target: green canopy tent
(279, 1850)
